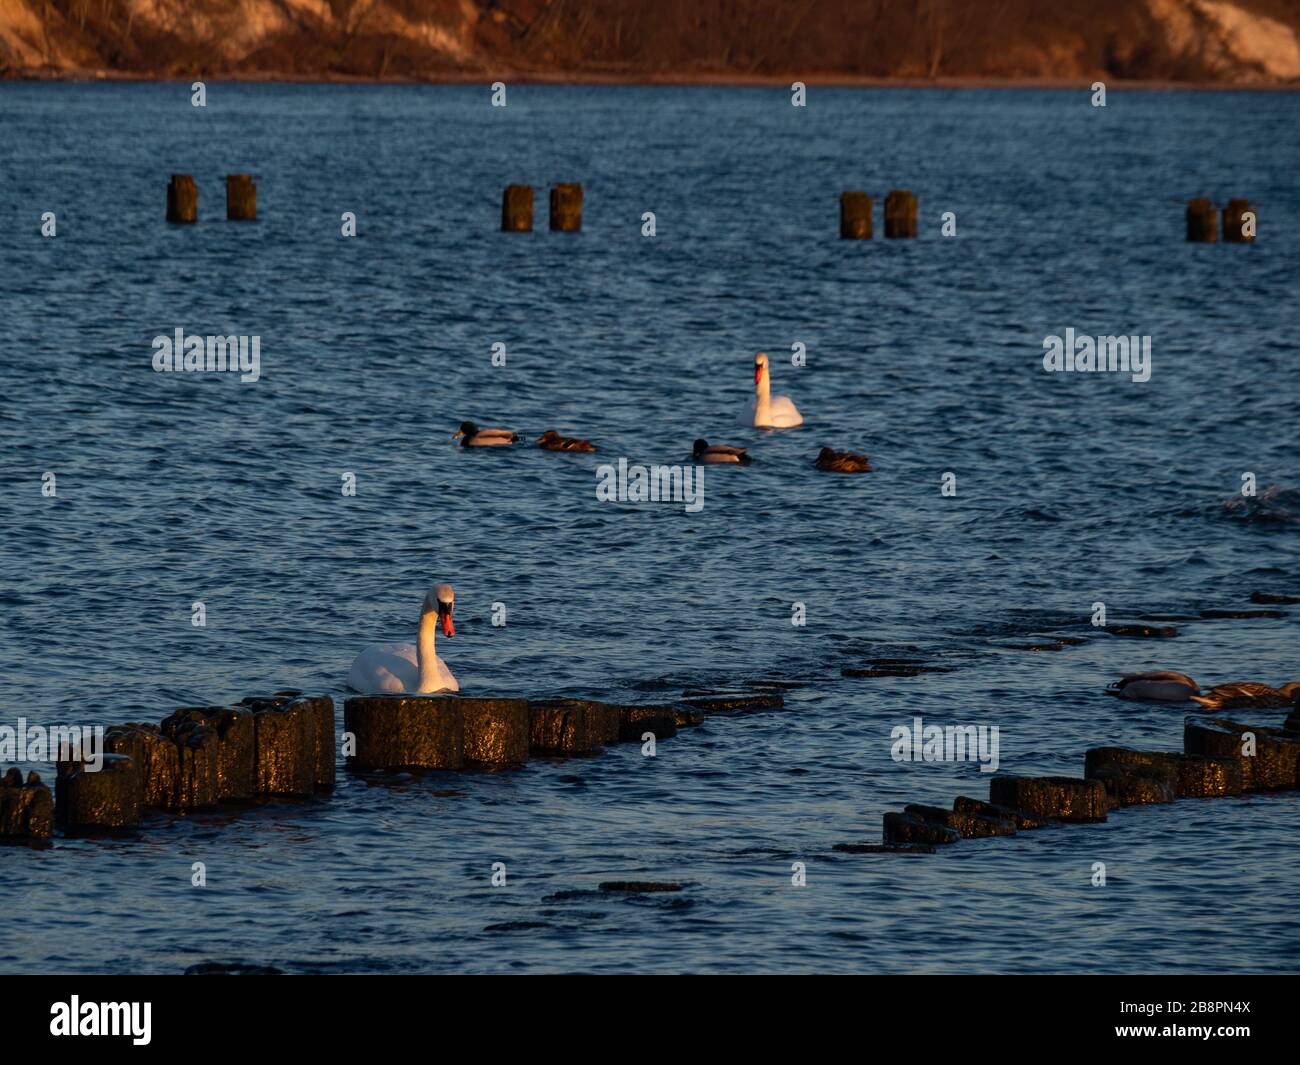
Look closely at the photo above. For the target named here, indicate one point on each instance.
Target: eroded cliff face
(1226, 41)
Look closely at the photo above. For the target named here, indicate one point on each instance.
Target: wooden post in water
(182, 199)
(517, 209)
(1202, 222)
(1233, 222)
(566, 207)
(900, 214)
(855, 216)
(241, 198)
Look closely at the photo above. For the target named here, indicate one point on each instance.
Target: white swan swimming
(768, 411)
(410, 667)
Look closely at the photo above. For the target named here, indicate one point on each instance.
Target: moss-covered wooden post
(1234, 222)
(566, 207)
(241, 198)
(855, 216)
(182, 199)
(517, 209)
(900, 214)
(1202, 222)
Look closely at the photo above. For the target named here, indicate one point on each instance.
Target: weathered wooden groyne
(856, 215)
(402, 732)
(197, 758)
(1219, 758)
(1203, 222)
(283, 746)
(183, 199)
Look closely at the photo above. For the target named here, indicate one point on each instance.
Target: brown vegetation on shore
(1231, 42)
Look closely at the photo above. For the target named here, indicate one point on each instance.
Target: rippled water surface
(1072, 489)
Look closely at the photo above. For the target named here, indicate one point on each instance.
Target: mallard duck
(706, 452)
(1249, 695)
(1161, 686)
(553, 441)
(473, 436)
(842, 461)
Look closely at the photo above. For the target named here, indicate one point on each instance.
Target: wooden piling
(517, 209)
(1202, 222)
(855, 216)
(109, 797)
(182, 199)
(1233, 222)
(566, 207)
(900, 214)
(398, 732)
(241, 198)
(26, 810)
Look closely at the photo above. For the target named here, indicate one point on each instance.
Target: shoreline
(669, 80)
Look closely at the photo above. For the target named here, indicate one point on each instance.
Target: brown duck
(1249, 695)
(553, 441)
(842, 461)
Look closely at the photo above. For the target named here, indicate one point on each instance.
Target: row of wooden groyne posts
(856, 210)
(284, 746)
(1212, 764)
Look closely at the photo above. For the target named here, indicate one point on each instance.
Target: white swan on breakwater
(410, 667)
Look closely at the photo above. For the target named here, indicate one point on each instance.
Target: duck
(720, 453)
(553, 441)
(1249, 694)
(1160, 686)
(413, 668)
(842, 461)
(768, 411)
(473, 436)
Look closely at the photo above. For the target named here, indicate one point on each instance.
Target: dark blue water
(1072, 489)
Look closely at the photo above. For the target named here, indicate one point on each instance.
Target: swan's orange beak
(448, 629)
(758, 373)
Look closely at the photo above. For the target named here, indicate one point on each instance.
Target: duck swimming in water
(1249, 695)
(1159, 686)
(842, 461)
(720, 453)
(473, 436)
(553, 441)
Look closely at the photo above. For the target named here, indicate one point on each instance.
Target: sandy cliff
(1223, 41)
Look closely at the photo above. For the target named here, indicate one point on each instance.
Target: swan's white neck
(426, 656)
(763, 392)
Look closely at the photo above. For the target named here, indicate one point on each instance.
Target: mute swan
(410, 667)
(553, 441)
(476, 437)
(769, 411)
(842, 461)
(1249, 695)
(706, 452)
(1161, 686)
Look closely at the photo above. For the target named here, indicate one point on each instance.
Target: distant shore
(679, 80)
